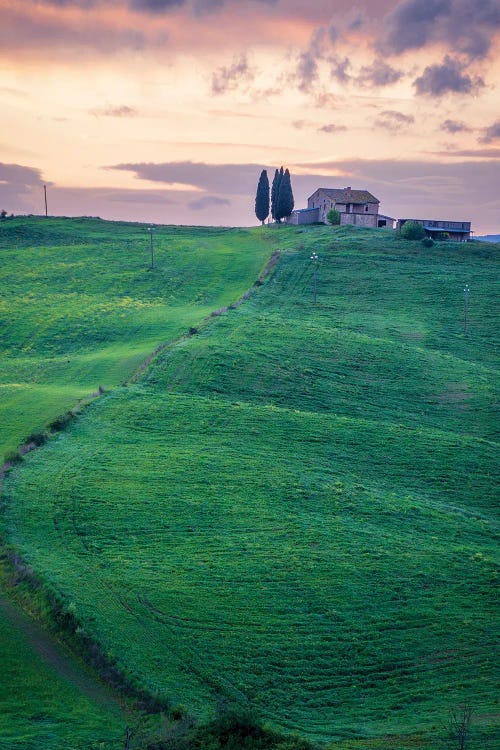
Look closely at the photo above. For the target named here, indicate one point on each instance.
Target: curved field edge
(153, 466)
(80, 307)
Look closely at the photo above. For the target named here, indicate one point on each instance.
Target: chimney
(349, 188)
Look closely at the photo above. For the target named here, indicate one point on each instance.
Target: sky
(166, 111)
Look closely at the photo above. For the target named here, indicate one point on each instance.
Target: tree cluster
(278, 199)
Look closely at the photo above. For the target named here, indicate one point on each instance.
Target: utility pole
(314, 259)
(466, 307)
(151, 230)
(45, 195)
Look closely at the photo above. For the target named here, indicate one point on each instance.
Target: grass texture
(80, 306)
(293, 510)
(43, 707)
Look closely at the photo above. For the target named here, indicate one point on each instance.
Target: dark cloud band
(237, 179)
(149, 6)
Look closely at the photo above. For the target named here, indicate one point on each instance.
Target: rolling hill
(80, 308)
(292, 509)
(489, 238)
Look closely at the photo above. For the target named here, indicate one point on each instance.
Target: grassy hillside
(293, 509)
(80, 306)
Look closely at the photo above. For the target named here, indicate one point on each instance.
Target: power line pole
(151, 230)
(466, 307)
(314, 259)
(45, 194)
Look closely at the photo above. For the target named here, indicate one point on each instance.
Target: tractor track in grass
(57, 656)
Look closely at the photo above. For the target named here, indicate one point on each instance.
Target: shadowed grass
(41, 705)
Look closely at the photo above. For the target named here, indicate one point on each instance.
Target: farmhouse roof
(347, 195)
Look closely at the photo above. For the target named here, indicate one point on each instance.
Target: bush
(38, 438)
(412, 230)
(443, 236)
(333, 216)
(13, 457)
(427, 242)
(59, 423)
(234, 729)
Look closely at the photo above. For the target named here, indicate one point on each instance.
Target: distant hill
(489, 238)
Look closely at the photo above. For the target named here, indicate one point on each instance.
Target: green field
(293, 509)
(44, 707)
(80, 308)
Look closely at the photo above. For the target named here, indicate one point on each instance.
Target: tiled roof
(344, 195)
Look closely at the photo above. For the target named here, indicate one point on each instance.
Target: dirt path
(58, 657)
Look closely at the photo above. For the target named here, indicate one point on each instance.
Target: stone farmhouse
(358, 207)
(361, 208)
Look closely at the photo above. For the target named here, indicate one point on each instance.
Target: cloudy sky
(167, 110)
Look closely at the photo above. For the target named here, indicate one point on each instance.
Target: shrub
(59, 423)
(412, 230)
(427, 242)
(235, 729)
(13, 457)
(443, 236)
(38, 438)
(333, 216)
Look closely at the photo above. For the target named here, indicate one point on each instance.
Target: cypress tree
(262, 197)
(285, 202)
(275, 192)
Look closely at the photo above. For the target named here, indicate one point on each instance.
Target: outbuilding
(437, 228)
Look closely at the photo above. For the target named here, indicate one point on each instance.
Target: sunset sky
(166, 111)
